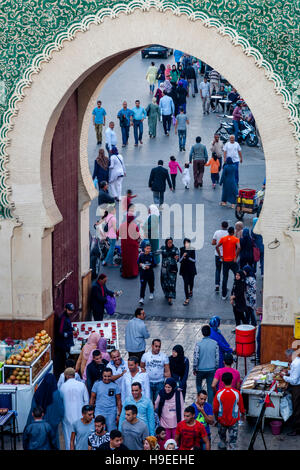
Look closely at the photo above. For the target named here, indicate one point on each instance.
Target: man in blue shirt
(135, 334)
(125, 118)
(99, 121)
(139, 114)
(144, 406)
(167, 108)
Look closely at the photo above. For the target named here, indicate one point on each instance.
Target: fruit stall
(25, 363)
(257, 384)
(106, 328)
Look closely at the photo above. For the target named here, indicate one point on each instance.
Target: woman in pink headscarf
(167, 72)
(102, 347)
(87, 349)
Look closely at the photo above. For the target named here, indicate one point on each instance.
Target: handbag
(256, 254)
(110, 305)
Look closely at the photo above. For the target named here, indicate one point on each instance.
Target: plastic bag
(96, 183)
(286, 407)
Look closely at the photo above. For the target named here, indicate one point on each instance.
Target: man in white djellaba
(117, 171)
(74, 395)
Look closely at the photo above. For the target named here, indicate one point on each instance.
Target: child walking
(146, 265)
(174, 166)
(126, 200)
(186, 177)
(214, 169)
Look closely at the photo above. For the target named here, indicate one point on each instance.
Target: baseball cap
(70, 307)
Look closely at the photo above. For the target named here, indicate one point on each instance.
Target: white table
(226, 102)
(216, 98)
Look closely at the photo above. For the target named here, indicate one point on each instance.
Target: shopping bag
(110, 305)
(286, 407)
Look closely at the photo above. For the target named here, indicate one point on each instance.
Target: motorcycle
(247, 132)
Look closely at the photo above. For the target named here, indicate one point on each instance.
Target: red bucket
(276, 427)
(245, 340)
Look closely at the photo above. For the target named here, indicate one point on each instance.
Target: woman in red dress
(130, 235)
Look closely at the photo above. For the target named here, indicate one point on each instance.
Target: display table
(107, 329)
(22, 397)
(216, 98)
(256, 399)
(226, 103)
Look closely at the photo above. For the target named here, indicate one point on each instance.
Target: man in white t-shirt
(205, 95)
(232, 149)
(156, 364)
(216, 238)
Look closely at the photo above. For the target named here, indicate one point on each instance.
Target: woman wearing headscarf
(117, 171)
(153, 114)
(159, 93)
(181, 72)
(101, 167)
(161, 74)
(230, 189)
(174, 75)
(151, 76)
(168, 275)
(169, 406)
(181, 96)
(258, 241)
(188, 270)
(238, 229)
(48, 397)
(90, 345)
(167, 86)
(102, 347)
(150, 443)
(250, 282)
(179, 368)
(216, 335)
(238, 298)
(151, 230)
(246, 253)
(168, 72)
(130, 236)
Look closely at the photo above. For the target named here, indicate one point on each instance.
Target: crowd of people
(103, 401)
(106, 402)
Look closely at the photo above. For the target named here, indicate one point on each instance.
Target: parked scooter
(247, 132)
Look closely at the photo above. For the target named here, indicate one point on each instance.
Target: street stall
(25, 363)
(257, 384)
(107, 329)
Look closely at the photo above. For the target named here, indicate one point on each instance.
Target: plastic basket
(247, 193)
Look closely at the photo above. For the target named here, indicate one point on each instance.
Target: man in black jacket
(99, 296)
(103, 196)
(95, 369)
(63, 339)
(191, 77)
(157, 183)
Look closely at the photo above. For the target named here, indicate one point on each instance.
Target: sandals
(222, 204)
(170, 302)
(186, 302)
